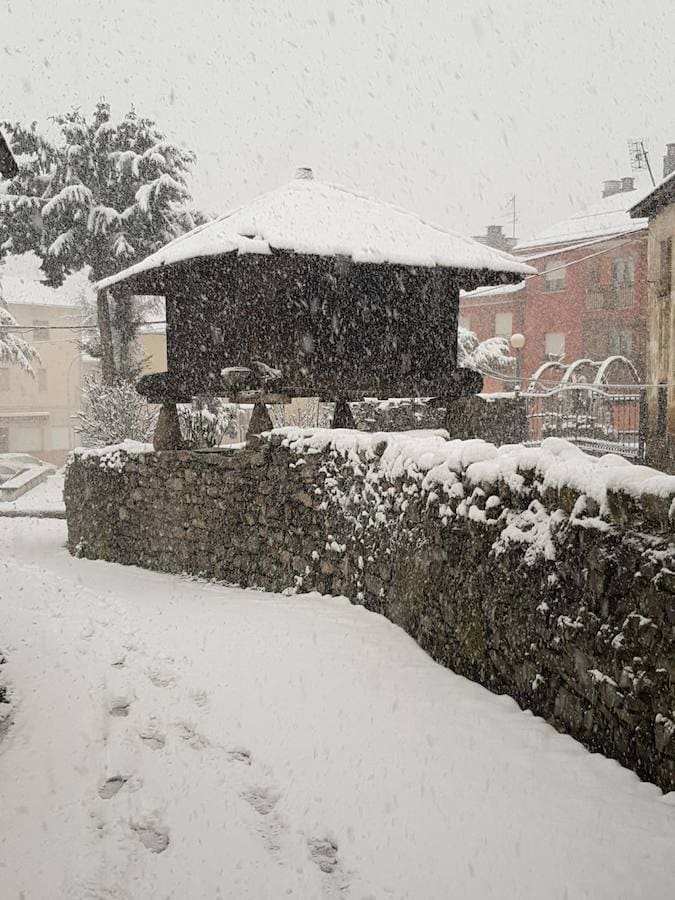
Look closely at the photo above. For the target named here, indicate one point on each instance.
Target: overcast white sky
(443, 107)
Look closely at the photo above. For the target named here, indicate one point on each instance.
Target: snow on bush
(206, 421)
(491, 355)
(113, 413)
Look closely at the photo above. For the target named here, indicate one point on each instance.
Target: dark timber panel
(334, 328)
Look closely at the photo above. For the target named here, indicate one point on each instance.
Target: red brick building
(589, 299)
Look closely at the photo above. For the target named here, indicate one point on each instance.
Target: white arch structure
(598, 373)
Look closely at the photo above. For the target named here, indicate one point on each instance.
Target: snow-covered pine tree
(14, 351)
(105, 195)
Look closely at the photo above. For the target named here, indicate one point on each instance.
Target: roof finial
(304, 173)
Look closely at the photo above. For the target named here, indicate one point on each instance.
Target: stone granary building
(312, 290)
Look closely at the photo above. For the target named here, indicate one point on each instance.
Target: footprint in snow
(153, 739)
(161, 677)
(200, 698)
(262, 800)
(120, 710)
(188, 734)
(155, 838)
(239, 754)
(111, 787)
(324, 854)
(270, 827)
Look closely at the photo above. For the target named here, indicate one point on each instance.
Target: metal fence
(598, 418)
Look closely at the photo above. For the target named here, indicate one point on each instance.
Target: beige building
(36, 414)
(659, 207)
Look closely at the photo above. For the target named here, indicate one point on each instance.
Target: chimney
(304, 173)
(669, 160)
(613, 186)
(627, 184)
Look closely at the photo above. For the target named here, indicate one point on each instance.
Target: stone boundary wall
(496, 418)
(562, 598)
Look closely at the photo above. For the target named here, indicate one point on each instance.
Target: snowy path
(174, 739)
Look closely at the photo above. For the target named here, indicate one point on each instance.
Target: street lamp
(517, 342)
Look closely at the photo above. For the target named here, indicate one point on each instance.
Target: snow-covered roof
(490, 291)
(609, 217)
(22, 282)
(308, 216)
(662, 195)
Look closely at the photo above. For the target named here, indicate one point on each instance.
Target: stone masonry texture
(530, 594)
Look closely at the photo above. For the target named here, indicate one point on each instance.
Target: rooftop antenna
(514, 219)
(639, 159)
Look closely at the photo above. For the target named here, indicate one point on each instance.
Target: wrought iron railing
(613, 296)
(597, 418)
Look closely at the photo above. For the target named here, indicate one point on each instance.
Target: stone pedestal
(167, 431)
(260, 420)
(342, 417)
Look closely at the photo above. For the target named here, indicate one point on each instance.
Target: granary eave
(312, 218)
(154, 281)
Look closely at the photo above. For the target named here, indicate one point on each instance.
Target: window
(42, 380)
(4, 379)
(60, 438)
(665, 267)
(594, 341)
(554, 275)
(40, 330)
(28, 438)
(623, 271)
(554, 344)
(504, 324)
(593, 272)
(623, 276)
(621, 342)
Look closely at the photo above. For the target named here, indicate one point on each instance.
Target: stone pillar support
(260, 420)
(342, 416)
(167, 431)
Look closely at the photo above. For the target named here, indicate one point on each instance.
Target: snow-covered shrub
(489, 356)
(206, 421)
(114, 412)
(308, 414)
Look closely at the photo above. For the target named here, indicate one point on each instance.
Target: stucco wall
(36, 413)
(661, 343)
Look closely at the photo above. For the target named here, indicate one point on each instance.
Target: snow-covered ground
(47, 497)
(264, 746)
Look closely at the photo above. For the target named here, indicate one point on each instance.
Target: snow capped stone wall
(540, 573)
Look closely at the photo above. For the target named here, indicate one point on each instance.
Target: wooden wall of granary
(334, 328)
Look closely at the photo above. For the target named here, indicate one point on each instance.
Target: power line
(66, 327)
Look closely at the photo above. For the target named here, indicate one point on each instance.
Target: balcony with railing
(611, 296)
